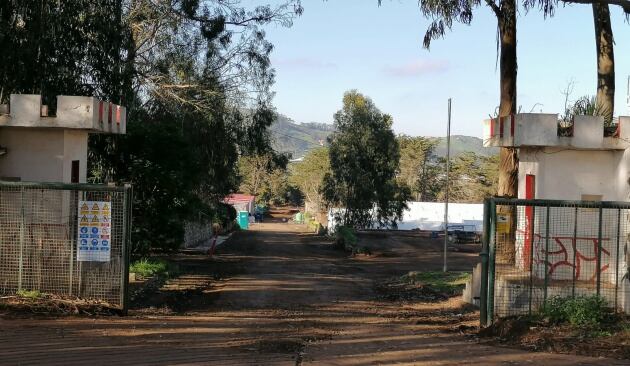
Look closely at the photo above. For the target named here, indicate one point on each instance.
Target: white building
(41, 148)
(586, 166)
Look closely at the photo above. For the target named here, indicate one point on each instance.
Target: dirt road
(276, 296)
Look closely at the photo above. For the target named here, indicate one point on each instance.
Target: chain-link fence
(538, 249)
(65, 239)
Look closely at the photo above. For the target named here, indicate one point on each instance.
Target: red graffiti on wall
(559, 256)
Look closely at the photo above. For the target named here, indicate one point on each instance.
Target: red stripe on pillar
(100, 111)
(109, 114)
(118, 114)
(500, 127)
(491, 127)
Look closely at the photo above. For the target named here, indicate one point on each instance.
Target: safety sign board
(94, 235)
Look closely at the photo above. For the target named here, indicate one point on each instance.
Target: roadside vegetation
(152, 267)
(586, 325)
(450, 283)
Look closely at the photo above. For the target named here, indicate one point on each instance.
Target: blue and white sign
(93, 244)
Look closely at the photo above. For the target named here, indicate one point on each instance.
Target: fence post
(575, 223)
(617, 256)
(599, 249)
(531, 258)
(483, 291)
(491, 261)
(546, 254)
(22, 239)
(127, 194)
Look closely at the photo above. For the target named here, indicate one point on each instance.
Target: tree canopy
(195, 76)
(364, 162)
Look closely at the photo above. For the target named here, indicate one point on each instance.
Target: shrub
(150, 267)
(346, 238)
(578, 311)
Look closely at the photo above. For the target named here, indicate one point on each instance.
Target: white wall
(34, 155)
(568, 174)
(43, 155)
(430, 216)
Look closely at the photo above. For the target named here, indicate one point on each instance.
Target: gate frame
(127, 192)
(488, 250)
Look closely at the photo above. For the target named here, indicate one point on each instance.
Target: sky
(339, 45)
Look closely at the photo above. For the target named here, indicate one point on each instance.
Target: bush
(578, 311)
(346, 238)
(150, 267)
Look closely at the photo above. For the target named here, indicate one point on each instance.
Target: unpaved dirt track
(275, 296)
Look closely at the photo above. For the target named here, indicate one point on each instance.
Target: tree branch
(624, 4)
(495, 8)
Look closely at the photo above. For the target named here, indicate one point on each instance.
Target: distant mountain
(298, 138)
(460, 144)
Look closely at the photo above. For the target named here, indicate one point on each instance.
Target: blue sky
(338, 45)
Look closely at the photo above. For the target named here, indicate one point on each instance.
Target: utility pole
(448, 168)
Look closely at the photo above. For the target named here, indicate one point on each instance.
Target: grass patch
(29, 294)
(152, 267)
(451, 283)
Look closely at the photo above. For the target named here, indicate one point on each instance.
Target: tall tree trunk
(605, 62)
(508, 157)
(508, 165)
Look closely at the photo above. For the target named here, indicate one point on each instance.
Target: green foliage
(151, 267)
(364, 161)
(472, 178)
(446, 282)
(29, 294)
(345, 238)
(195, 77)
(308, 175)
(578, 311)
(418, 170)
(265, 176)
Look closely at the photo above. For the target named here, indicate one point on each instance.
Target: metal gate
(535, 250)
(70, 240)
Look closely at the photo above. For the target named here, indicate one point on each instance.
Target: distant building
(242, 202)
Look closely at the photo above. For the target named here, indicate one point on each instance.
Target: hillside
(297, 139)
(460, 144)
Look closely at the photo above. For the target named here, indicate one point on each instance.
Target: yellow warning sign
(95, 219)
(106, 207)
(84, 219)
(95, 207)
(503, 224)
(84, 207)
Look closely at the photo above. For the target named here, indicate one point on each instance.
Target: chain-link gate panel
(543, 249)
(65, 239)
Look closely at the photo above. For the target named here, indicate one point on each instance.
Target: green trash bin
(243, 220)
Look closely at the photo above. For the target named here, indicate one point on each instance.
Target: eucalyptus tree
(364, 162)
(604, 47)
